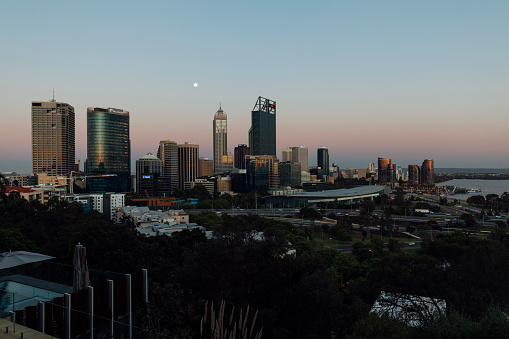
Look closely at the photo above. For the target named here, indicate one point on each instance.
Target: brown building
(205, 167)
(187, 160)
(414, 174)
(383, 169)
(427, 172)
(53, 137)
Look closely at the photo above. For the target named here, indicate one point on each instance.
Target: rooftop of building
(342, 193)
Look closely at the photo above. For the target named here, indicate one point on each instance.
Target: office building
(240, 153)
(323, 159)
(414, 176)
(53, 137)
(290, 174)
(262, 134)
(300, 156)
(220, 143)
(187, 160)
(149, 177)
(108, 150)
(427, 172)
(383, 169)
(205, 167)
(286, 155)
(167, 152)
(262, 172)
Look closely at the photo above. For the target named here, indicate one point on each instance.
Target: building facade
(262, 172)
(187, 160)
(289, 174)
(220, 142)
(322, 156)
(205, 167)
(167, 152)
(427, 172)
(53, 138)
(300, 156)
(414, 176)
(108, 150)
(383, 169)
(239, 155)
(149, 177)
(262, 134)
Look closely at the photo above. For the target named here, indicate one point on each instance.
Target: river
(486, 186)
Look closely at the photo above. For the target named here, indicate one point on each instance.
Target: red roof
(19, 189)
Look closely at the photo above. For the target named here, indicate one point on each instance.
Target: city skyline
(400, 80)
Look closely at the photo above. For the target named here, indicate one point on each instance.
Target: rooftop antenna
(53, 100)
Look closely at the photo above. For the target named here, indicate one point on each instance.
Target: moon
(195, 84)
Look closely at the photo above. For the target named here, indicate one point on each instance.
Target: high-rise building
(205, 167)
(286, 155)
(383, 169)
(323, 159)
(427, 172)
(108, 150)
(290, 174)
(300, 156)
(149, 177)
(262, 134)
(167, 152)
(262, 172)
(187, 160)
(53, 138)
(371, 167)
(220, 141)
(240, 153)
(414, 174)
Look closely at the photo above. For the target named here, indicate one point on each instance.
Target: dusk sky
(406, 80)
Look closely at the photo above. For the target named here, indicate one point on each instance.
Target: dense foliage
(319, 293)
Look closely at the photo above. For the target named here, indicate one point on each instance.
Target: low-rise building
(29, 194)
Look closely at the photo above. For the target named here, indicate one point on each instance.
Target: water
(486, 186)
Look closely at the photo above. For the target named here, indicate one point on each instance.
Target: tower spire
(53, 100)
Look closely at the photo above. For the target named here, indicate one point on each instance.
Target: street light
(371, 254)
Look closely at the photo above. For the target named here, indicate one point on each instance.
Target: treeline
(317, 293)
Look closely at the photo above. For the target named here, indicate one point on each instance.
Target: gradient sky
(407, 80)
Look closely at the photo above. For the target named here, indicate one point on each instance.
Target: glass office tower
(323, 159)
(108, 150)
(262, 134)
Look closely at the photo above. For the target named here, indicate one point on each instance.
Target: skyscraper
(262, 134)
(220, 131)
(323, 159)
(427, 171)
(383, 169)
(167, 152)
(187, 160)
(300, 156)
(108, 150)
(413, 174)
(52, 138)
(149, 176)
(262, 172)
(286, 155)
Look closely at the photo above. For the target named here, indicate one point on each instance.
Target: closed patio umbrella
(17, 258)
(81, 279)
